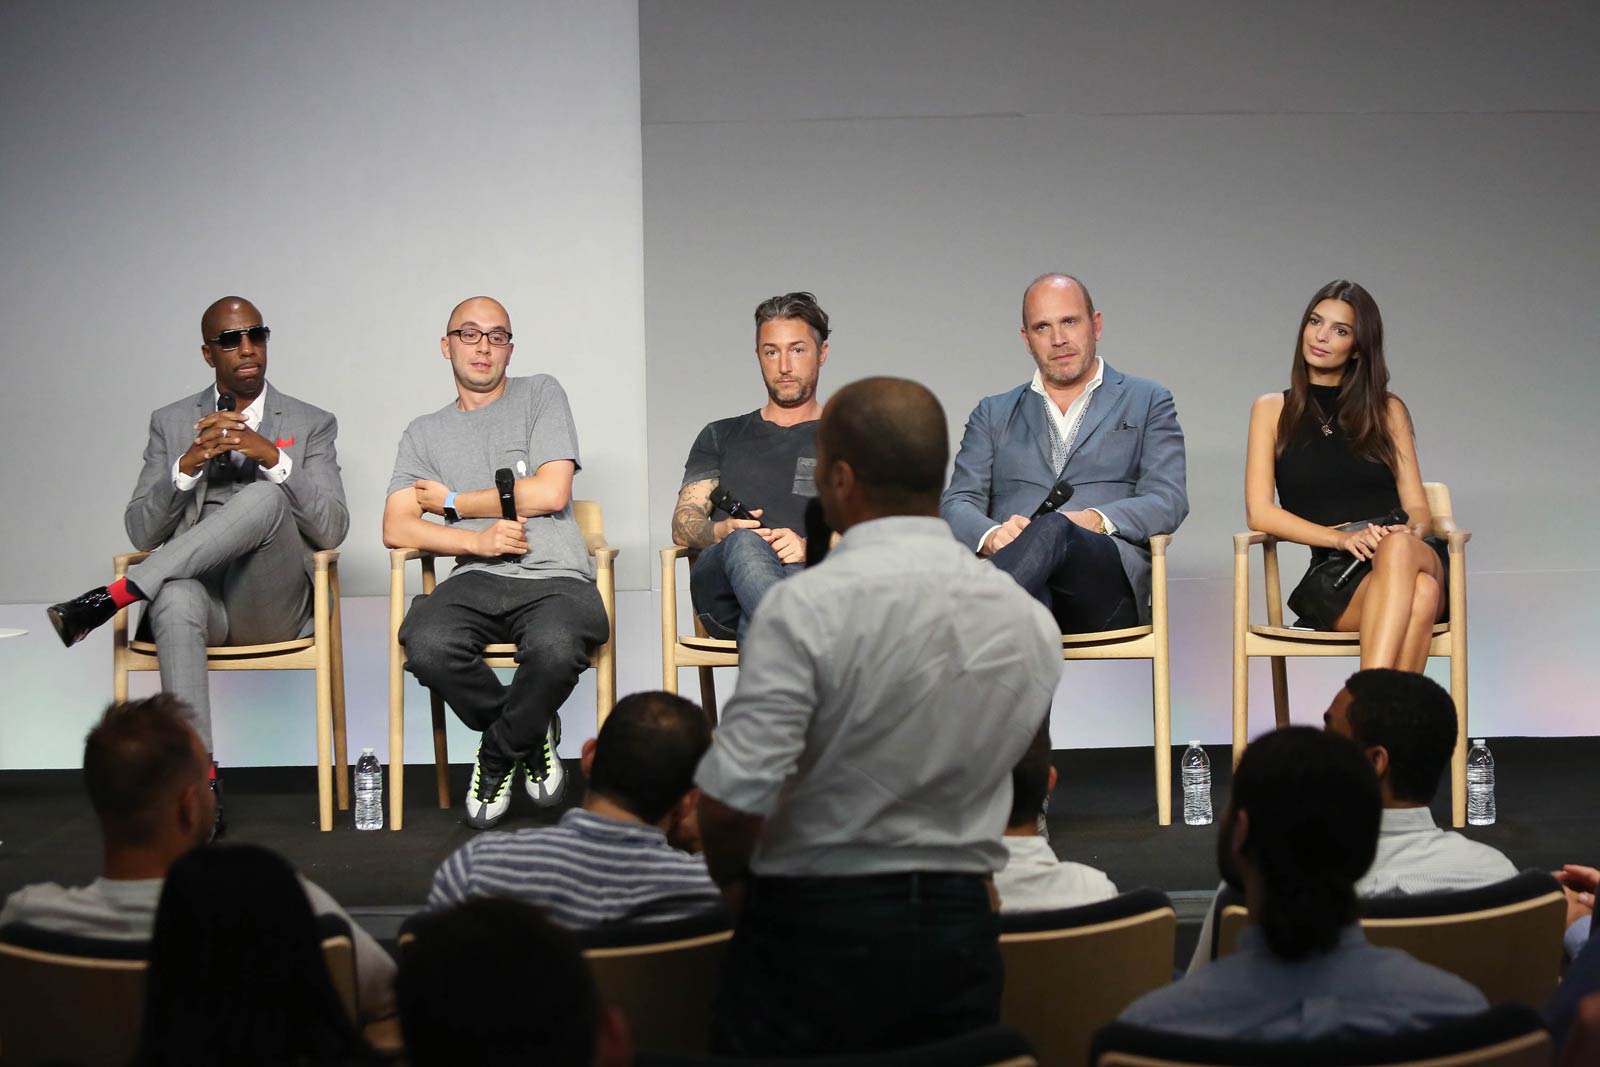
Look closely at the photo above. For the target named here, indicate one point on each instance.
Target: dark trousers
(1074, 572)
(846, 965)
(554, 622)
(729, 579)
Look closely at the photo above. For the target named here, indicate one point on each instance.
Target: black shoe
(489, 796)
(73, 619)
(220, 826)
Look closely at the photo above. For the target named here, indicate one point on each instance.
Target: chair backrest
(339, 952)
(587, 513)
(663, 976)
(1508, 1035)
(69, 999)
(1438, 495)
(1504, 938)
(993, 1046)
(1071, 971)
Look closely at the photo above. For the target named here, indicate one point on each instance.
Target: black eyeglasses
(471, 335)
(230, 339)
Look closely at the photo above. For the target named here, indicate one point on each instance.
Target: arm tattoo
(691, 519)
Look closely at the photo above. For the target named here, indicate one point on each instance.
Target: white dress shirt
(883, 698)
(252, 418)
(1034, 879)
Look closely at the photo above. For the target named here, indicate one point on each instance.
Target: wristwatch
(450, 512)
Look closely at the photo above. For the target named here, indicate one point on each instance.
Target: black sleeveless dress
(1321, 480)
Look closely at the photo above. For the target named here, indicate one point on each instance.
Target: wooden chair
(663, 976)
(1504, 938)
(604, 660)
(322, 652)
(689, 650)
(1143, 642)
(1277, 641)
(1508, 1035)
(1071, 971)
(73, 999)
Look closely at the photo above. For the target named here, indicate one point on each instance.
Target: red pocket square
(283, 442)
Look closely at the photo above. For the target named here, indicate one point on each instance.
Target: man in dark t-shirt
(764, 460)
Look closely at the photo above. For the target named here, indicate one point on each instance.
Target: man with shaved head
(856, 792)
(240, 486)
(527, 581)
(1112, 439)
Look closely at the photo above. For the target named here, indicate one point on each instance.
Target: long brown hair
(1364, 389)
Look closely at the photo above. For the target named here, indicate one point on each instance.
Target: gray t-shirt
(529, 425)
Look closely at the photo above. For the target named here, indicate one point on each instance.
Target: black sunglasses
(230, 339)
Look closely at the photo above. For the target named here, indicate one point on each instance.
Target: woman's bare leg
(1425, 603)
(1382, 608)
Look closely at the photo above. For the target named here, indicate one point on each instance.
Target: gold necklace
(1322, 420)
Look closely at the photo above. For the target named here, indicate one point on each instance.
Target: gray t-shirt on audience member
(529, 425)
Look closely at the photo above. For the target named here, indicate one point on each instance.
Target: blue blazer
(1127, 463)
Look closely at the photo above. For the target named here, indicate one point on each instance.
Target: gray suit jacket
(1127, 463)
(314, 488)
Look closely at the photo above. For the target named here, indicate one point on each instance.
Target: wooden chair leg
(1280, 690)
(1458, 758)
(324, 643)
(397, 701)
(708, 693)
(1161, 683)
(1241, 656)
(441, 753)
(341, 748)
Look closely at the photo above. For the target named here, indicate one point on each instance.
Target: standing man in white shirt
(853, 800)
(240, 486)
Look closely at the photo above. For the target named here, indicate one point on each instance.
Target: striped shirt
(586, 870)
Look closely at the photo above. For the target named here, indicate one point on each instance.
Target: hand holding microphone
(1059, 494)
(739, 516)
(1397, 517)
(507, 537)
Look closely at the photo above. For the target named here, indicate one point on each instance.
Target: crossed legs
(1396, 604)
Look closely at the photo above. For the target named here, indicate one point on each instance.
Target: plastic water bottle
(1480, 785)
(369, 792)
(1196, 767)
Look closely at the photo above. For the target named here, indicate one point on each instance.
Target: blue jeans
(1074, 572)
(853, 965)
(729, 579)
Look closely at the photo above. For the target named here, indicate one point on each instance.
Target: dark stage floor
(1103, 814)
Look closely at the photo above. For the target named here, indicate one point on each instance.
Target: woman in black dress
(1337, 448)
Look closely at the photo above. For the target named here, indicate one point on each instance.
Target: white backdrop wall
(354, 169)
(1205, 168)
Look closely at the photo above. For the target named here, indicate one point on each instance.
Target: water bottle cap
(1194, 744)
(1481, 741)
(366, 752)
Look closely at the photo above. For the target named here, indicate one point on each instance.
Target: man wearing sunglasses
(526, 580)
(240, 486)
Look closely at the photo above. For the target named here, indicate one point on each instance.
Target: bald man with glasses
(528, 581)
(240, 486)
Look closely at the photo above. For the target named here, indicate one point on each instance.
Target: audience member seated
(1406, 724)
(147, 772)
(491, 983)
(1300, 831)
(1033, 879)
(237, 974)
(613, 860)
(1574, 1011)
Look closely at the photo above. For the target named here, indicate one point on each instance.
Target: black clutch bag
(1331, 579)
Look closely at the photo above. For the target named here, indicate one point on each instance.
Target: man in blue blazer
(1113, 438)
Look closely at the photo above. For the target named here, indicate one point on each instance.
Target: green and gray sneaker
(490, 794)
(546, 779)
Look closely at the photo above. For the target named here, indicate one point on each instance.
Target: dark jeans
(1074, 572)
(844, 965)
(729, 579)
(554, 622)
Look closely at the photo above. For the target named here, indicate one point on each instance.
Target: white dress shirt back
(883, 699)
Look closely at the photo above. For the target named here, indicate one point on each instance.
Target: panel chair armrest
(1159, 544)
(121, 563)
(324, 559)
(1243, 541)
(399, 557)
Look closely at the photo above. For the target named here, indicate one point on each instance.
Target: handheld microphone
(1397, 517)
(819, 535)
(1060, 493)
(505, 483)
(723, 500)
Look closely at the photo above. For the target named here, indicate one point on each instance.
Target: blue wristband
(449, 508)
